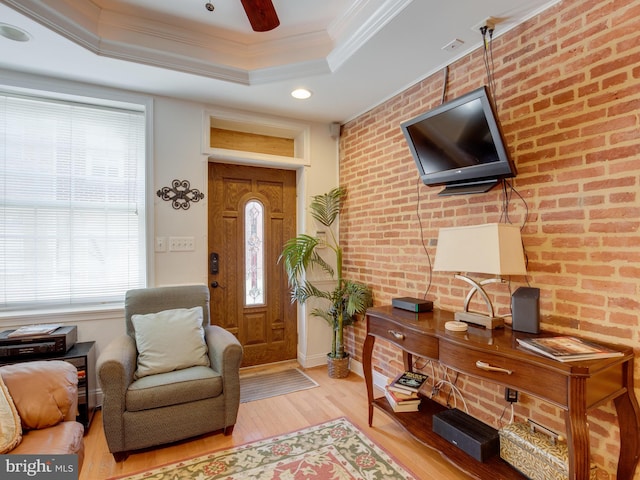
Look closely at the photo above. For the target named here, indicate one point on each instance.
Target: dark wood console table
(575, 387)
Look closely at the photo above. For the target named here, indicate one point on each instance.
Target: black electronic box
(412, 304)
(57, 342)
(474, 437)
(525, 308)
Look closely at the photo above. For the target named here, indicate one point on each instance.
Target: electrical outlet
(511, 395)
(181, 244)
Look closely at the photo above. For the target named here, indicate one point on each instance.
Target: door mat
(335, 450)
(271, 384)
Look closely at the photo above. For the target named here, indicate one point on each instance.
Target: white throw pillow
(169, 340)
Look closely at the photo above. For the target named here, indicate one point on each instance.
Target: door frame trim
(301, 133)
(303, 358)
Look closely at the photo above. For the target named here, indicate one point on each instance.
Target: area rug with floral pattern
(334, 450)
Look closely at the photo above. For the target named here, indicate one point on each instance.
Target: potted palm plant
(347, 298)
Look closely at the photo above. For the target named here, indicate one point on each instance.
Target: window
(72, 199)
(254, 253)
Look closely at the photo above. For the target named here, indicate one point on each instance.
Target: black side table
(83, 357)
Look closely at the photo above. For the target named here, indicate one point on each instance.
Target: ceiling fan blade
(262, 15)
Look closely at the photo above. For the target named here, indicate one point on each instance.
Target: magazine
(568, 348)
(31, 330)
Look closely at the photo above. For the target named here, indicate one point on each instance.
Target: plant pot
(338, 367)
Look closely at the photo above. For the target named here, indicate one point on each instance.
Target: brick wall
(568, 95)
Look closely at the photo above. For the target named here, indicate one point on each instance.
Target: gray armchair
(159, 408)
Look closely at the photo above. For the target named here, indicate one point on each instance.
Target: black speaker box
(525, 310)
(472, 436)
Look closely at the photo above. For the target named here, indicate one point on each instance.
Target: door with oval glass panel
(252, 212)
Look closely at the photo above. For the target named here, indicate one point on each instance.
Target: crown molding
(80, 25)
(361, 22)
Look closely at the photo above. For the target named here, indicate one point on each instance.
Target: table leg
(578, 432)
(629, 423)
(367, 367)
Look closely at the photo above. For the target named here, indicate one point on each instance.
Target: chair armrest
(225, 354)
(225, 351)
(116, 366)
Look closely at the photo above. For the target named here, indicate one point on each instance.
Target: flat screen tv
(459, 144)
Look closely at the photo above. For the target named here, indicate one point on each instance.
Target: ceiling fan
(261, 14)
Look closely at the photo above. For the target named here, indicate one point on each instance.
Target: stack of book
(402, 392)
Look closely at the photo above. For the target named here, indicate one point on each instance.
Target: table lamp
(494, 248)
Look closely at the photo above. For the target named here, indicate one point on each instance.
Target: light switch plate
(181, 244)
(161, 244)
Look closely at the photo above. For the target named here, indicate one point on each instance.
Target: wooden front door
(252, 213)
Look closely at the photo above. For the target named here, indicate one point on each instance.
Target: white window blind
(71, 203)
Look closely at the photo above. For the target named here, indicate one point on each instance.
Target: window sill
(62, 315)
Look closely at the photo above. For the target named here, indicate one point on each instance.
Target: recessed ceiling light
(14, 33)
(301, 93)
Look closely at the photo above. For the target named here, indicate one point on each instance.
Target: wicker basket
(338, 367)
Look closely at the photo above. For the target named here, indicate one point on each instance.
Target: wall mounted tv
(459, 144)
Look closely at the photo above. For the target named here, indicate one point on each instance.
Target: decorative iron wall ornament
(180, 194)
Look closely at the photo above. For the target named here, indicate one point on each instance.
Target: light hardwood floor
(260, 419)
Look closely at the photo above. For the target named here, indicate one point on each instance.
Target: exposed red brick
(626, 319)
(568, 96)
(614, 65)
(613, 183)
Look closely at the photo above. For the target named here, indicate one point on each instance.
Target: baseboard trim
(379, 380)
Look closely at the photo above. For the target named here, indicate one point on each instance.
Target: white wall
(177, 153)
(177, 150)
(178, 132)
(314, 334)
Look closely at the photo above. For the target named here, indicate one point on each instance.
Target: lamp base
(479, 319)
